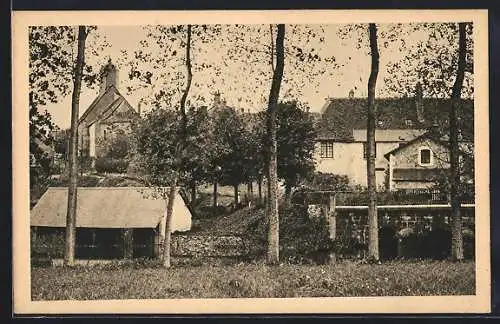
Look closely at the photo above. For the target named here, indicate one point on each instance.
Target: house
(423, 161)
(108, 116)
(341, 145)
(117, 222)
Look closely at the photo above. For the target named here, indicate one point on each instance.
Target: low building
(124, 222)
(422, 162)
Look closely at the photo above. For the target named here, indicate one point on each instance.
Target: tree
(231, 150)
(373, 251)
(457, 253)
(69, 252)
(163, 136)
(272, 205)
(296, 137)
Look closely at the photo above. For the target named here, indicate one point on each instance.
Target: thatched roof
(124, 207)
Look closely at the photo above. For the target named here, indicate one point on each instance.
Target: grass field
(398, 278)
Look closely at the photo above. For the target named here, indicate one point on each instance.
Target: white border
(435, 304)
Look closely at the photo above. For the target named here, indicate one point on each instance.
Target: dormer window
(425, 156)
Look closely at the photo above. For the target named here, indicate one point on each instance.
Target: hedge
(105, 164)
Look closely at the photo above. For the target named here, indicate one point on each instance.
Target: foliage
(396, 278)
(432, 60)
(118, 147)
(111, 165)
(51, 63)
(296, 138)
(327, 181)
(232, 149)
(302, 239)
(157, 137)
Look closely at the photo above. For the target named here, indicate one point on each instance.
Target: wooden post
(332, 223)
(333, 217)
(128, 243)
(156, 244)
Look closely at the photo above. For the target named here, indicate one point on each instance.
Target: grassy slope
(256, 280)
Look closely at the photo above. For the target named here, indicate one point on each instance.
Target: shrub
(303, 239)
(105, 164)
(469, 243)
(437, 244)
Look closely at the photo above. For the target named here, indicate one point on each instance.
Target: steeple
(109, 76)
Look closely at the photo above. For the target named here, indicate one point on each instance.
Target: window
(425, 156)
(365, 150)
(327, 149)
(409, 122)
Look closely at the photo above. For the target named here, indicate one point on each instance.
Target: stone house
(420, 163)
(108, 116)
(341, 145)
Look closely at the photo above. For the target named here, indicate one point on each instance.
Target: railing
(400, 197)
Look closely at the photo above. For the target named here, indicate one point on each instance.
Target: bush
(104, 164)
(469, 243)
(437, 244)
(303, 239)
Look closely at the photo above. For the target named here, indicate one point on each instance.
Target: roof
(417, 174)
(437, 137)
(110, 107)
(124, 207)
(388, 135)
(341, 115)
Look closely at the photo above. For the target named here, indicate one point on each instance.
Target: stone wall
(355, 223)
(212, 246)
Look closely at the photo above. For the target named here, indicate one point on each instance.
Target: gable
(105, 105)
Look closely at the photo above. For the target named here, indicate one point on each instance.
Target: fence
(400, 197)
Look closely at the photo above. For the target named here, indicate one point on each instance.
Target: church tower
(109, 77)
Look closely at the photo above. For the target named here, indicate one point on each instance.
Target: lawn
(397, 278)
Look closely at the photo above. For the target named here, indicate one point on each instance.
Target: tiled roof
(388, 135)
(105, 112)
(341, 115)
(124, 207)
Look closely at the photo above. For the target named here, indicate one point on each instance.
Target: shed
(111, 222)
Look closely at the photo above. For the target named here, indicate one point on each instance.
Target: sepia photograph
(260, 162)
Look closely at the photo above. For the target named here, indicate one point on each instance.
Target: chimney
(217, 100)
(109, 77)
(242, 110)
(139, 107)
(419, 102)
(351, 94)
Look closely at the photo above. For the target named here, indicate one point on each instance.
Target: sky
(236, 80)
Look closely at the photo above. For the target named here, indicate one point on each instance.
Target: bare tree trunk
(260, 189)
(236, 196)
(215, 193)
(272, 186)
(250, 193)
(69, 251)
(457, 252)
(193, 192)
(288, 194)
(373, 250)
(168, 224)
(179, 153)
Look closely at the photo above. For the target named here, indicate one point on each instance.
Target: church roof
(103, 107)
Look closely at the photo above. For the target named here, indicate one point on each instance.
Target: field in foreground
(401, 278)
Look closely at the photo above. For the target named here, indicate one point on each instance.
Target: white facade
(348, 158)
